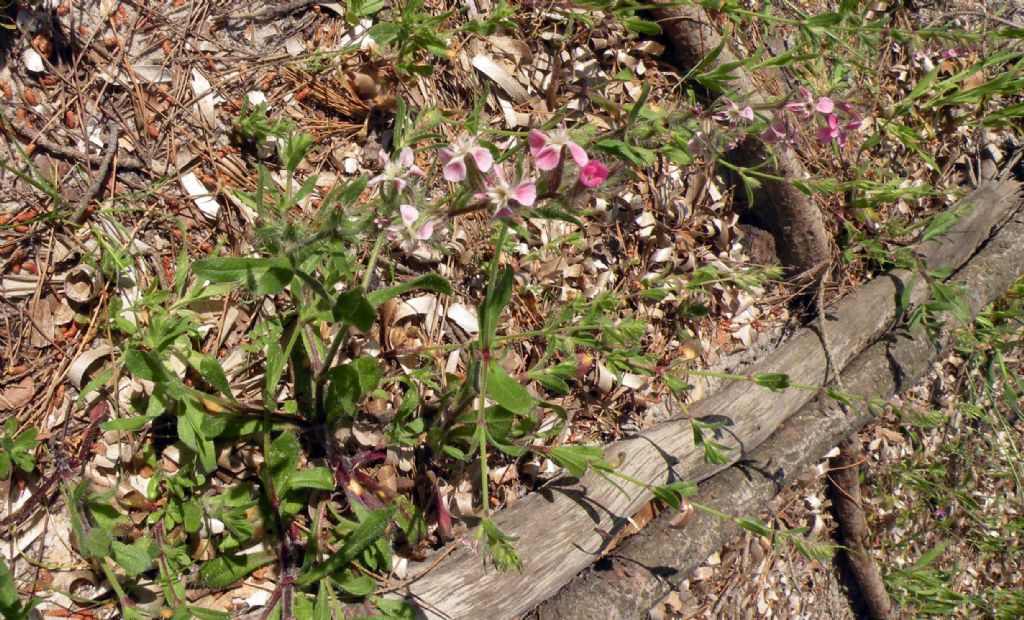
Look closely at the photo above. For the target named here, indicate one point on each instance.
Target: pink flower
(410, 215)
(408, 234)
(397, 171)
(733, 113)
(546, 148)
(453, 159)
(807, 106)
(838, 130)
(856, 120)
(593, 174)
(779, 133)
(832, 131)
(501, 194)
(702, 144)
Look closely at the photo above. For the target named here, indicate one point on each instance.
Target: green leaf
(385, 33)
(313, 478)
(354, 309)
(635, 155)
(135, 558)
(673, 493)
(227, 569)
(132, 424)
(839, 397)
(349, 383)
(506, 391)
(144, 365)
(824, 19)
(551, 381)
(192, 514)
(498, 295)
(939, 225)
(296, 147)
(676, 384)
(94, 384)
(283, 458)
(575, 459)
(263, 276)
(499, 422)
(919, 89)
(96, 543)
(367, 533)
(499, 546)
(362, 585)
(774, 381)
(642, 26)
(212, 372)
(755, 526)
(323, 608)
(395, 609)
(430, 282)
(349, 194)
(10, 603)
(207, 614)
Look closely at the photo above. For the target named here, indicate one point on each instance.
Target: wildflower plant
(327, 263)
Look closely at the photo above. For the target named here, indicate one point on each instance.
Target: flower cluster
(466, 160)
(832, 121)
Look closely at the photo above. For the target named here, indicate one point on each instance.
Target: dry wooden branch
(846, 498)
(82, 210)
(563, 528)
(650, 564)
(802, 239)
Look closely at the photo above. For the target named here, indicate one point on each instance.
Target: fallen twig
(101, 175)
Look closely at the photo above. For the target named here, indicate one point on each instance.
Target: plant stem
(485, 352)
(481, 431)
(374, 255)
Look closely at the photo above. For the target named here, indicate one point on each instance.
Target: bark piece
(564, 527)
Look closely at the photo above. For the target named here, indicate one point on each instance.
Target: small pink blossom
(409, 234)
(733, 113)
(410, 215)
(546, 148)
(454, 159)
(855, 119)
(502, 194)
(807, 105)
(832, 131)
(702, 144)
(779, 133)
(593, 174)
(397, 171)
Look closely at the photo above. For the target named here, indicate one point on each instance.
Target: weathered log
(801, 237)
(648, 565)
(564, 527)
